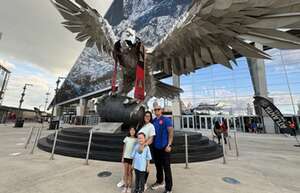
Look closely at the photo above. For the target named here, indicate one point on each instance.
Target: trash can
(19, 123)
(54, 125)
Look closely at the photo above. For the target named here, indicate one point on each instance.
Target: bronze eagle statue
(210, 32)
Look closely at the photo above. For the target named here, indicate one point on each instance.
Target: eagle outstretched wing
(155, 87)
(214, 32)
(87, 23)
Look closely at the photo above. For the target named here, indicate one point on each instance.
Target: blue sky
(237, 84)
(233, 88)
(23, 73)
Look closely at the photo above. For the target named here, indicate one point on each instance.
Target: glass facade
(233, 90)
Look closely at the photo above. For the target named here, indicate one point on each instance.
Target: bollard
(228, 141)
(54, 144)
(38, 134)
(236, 144)
(29, 137)
(212, 126)
(89, 147)
(186, 152)
(224, 151)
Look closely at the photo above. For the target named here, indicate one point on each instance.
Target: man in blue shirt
(162, 147)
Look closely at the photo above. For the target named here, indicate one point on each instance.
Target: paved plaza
(267, 164)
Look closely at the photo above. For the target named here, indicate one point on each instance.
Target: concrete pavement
(267, 164)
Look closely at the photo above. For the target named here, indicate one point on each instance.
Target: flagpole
(290, 92)
(288, 82)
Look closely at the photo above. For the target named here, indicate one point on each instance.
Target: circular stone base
(73, 142)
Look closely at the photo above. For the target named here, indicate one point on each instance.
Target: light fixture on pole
(19, 120)
(46, 100)
(52, 123)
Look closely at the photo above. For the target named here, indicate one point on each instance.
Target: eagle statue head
(128, 38)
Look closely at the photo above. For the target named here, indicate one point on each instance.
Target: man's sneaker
(128, 190)
(145, 187)
(156, 186)
(167, 191)
(120, 184)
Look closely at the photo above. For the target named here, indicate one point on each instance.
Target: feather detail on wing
(156, 88)
(215, 31)
(87, 23)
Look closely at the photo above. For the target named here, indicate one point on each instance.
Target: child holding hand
(141, 161)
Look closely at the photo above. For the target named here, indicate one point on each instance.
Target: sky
(36, 48)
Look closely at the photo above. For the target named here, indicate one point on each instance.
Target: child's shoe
(124, 190)
(121, 184)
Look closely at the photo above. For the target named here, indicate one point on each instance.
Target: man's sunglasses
(156, 109)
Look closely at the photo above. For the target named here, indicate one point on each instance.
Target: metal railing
(29, 137)
(206, 122)
(54, 144)
(37, 138)
(201, 123)
(89, 148)
(186, 151)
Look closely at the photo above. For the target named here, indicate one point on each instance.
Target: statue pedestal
(107, 127)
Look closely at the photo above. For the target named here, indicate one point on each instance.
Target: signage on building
(272, 111)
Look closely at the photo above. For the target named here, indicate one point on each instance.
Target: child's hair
(135, 132)
(141, 133)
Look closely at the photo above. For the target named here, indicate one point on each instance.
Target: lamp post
(46, 100)
(52, 125)
(19, 120)
(291, 96)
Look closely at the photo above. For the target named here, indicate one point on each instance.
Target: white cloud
(281, 58)
(9, 66)
(35, 95)
(32, 33)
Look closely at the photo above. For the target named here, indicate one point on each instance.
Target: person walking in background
(141, 160)
(292, 127)
(253, 127)
(259, 127)
(218, 131)
(224, 130)
(129, 143)
(162, 147)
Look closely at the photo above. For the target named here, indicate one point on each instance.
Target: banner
(139, 86)
(272, 111)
